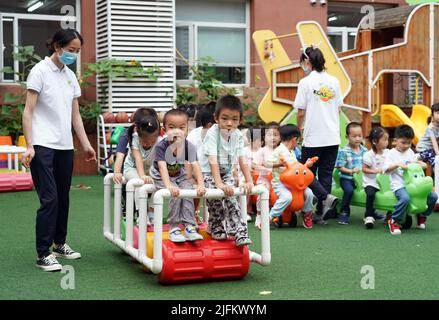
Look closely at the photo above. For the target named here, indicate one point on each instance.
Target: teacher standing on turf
(318, 103)
(51, 111)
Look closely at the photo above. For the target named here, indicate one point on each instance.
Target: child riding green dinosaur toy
(417, 185)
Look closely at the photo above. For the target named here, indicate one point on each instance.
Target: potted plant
(11, 112)
(115, 68)
(90, 111)
(10, 122)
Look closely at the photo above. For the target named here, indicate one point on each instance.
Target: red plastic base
(203, 261)
(15, 182)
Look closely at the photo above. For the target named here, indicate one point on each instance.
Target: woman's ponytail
(315, 57)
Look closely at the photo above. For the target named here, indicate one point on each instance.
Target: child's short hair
(211, 105)
(404, 131)
(174, 112)
(375, 135)
(288, 132)
(434, 108)
(352, 125)
(189, 108)
(228, 102)
(204, 117)
(143, 112)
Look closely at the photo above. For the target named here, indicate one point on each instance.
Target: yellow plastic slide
(393, 116)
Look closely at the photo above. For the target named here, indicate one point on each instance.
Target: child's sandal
(198, 218)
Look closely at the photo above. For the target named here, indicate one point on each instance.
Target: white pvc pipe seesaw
(156, 264)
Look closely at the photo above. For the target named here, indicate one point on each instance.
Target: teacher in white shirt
(318, 103)
(51, 111)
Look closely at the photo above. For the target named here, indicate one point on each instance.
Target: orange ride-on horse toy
(296, 178)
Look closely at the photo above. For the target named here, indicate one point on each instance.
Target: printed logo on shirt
(174, 169)
(324, 93)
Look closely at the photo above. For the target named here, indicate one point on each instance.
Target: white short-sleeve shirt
(228, 151)
(374, 161)
(52, 116)
(320, 96)
(195, 138)
(393, 157)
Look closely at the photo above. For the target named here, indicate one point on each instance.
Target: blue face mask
(306, 69)
(68, 58)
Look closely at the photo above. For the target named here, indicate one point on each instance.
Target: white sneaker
(421, 226)
(249, 218)
(329, 203)
(175, 235)
(191, 234)
(258, 221)
(66, 252)
(394, 228)
(369, 222)
(421, 222)
(49, 263)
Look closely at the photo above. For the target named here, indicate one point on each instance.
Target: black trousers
(322, 169)
(370, 198)
(52, 176)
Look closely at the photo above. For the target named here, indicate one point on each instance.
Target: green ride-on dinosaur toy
(417, 185)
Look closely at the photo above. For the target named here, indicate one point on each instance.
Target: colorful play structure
(402, 41)
(204, 260)
(12, 177)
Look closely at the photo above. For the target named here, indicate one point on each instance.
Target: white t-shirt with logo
(396, 176)
(373, 161)
(320, 96)
(52, 116)
(195, 138)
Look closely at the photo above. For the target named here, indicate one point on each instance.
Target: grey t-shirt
(147, 155)
(425, 142)
(175, 164)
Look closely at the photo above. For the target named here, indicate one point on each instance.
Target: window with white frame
(216, 31)
(342, 38)
(32, 23)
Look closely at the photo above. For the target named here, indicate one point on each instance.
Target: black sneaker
(49, 263)
(66, 252)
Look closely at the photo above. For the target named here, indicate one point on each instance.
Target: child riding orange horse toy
(296, 178)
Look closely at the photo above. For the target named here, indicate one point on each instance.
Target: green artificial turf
(322, 263)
